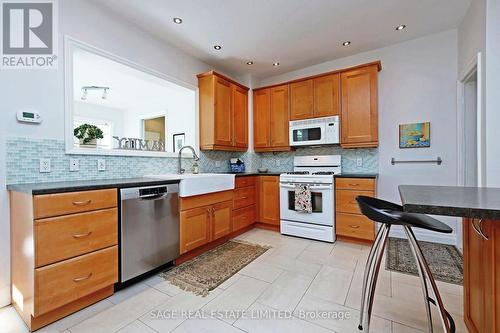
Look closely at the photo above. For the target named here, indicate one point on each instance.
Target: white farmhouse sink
(203, 183)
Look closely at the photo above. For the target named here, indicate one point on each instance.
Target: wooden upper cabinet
(223, 113)
(279, 116)
(261, 118)
(301, 100)
(327, 95)
(240, 119)
(359, 121)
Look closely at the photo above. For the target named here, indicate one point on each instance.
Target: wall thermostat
(29, 116)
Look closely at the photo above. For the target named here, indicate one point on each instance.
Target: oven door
(306, 135)
(322, 204)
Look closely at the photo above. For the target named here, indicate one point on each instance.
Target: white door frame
(474, 66)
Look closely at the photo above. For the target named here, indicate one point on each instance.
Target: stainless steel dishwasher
(149, 228)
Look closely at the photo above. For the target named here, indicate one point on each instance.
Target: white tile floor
(299, 276)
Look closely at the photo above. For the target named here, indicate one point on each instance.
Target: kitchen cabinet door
(223, 135)
(221, 219)
(279, 116)
(269, 200)
(261, 118)
(240, 116)
(359, 121)
(327, 95)
(301, 100)
(195, 228)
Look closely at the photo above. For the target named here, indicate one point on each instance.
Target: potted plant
(88, 135)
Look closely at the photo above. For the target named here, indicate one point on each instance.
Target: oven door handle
(313, 187)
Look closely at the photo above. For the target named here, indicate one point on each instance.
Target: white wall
(492, 92)
(44, 89)
(471, 41)
(417, 83)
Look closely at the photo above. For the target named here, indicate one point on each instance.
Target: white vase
(90, 144)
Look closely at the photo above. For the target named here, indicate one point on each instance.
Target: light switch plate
(45, 165)
(217, 164)
(101, 165)
(278, 163)
(74, 165)
(359, 162)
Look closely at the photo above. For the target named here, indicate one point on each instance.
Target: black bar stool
(389, 214)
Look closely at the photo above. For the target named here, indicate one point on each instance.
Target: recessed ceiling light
(249, 62)
(400, 27)
(276, 63)
(346, 43)
(177, 20)
(217, 47)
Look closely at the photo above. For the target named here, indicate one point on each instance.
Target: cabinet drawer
(355, 226)
(359, 184)
(244, 197)
(244, 181)
(49, 205)
(64, 237)
(67, 281)
(243, 217)
(346, 201)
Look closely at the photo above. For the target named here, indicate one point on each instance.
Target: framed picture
(417, 135)
(179, 141)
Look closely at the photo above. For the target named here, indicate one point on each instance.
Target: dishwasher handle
(153, 197)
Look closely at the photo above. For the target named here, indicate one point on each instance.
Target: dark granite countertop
(85, 185)
(475, 202)
(243, 174)
(357, 175)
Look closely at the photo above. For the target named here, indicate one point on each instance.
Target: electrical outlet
(74, 165)
(44, 165)
(101, 165)
(217, 164)
(278, 163)
(359, 162)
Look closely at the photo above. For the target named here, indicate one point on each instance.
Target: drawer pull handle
(82, 278)
(354, 226)
(244, 198)
(353, 184)
(82, 203)
(82, 235)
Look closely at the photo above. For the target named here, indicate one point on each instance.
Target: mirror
(114, 107)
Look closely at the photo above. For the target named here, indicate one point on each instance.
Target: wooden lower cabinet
(481, 275)
(269, 200)
(67, 281)
(64, 252)
(205, 218)
(221, 219)
(349, 222)
(195, 228)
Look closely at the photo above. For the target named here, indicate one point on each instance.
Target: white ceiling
(297, 33)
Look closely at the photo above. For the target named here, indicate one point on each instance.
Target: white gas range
(317, 172)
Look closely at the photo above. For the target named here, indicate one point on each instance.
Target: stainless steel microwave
(317, 131)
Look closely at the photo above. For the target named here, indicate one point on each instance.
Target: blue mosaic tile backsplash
(23, 156)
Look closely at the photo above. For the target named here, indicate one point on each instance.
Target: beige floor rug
(445, 261)
(207, 271)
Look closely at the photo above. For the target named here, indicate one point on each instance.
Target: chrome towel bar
(438, 161)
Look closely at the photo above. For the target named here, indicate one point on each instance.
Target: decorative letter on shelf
(140, 144)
